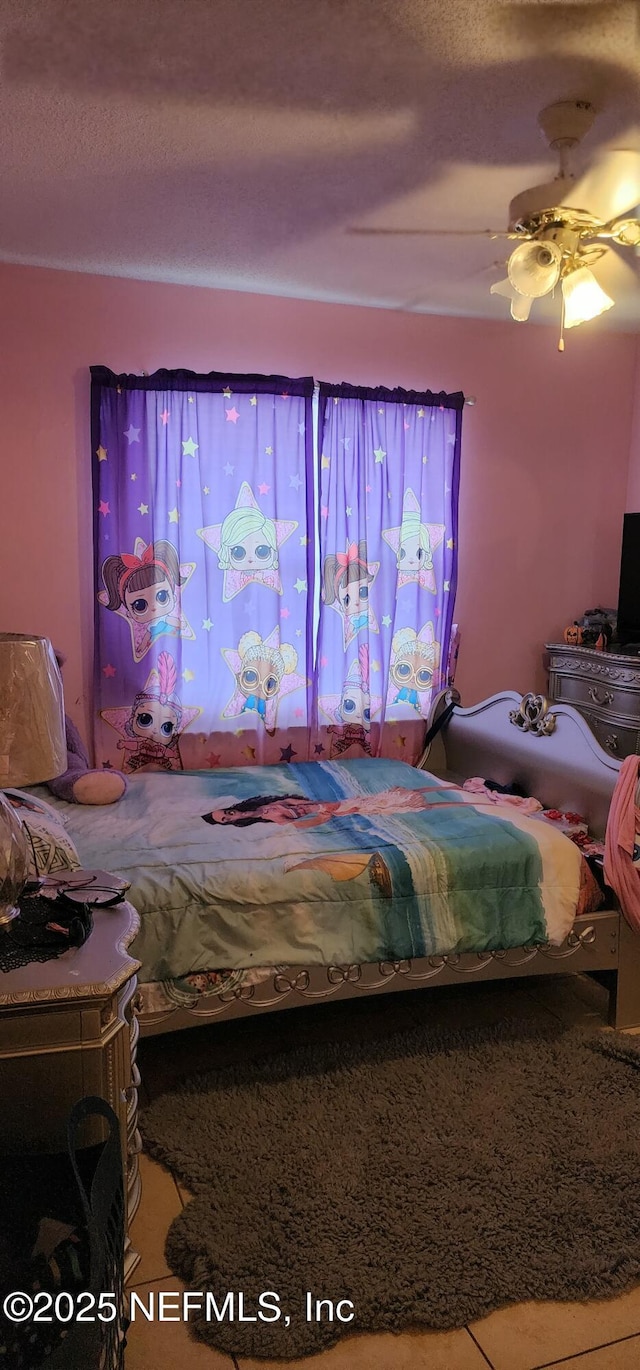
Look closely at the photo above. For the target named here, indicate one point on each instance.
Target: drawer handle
(611, 742)
(594, 694)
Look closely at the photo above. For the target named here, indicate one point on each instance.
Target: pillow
(590, 896)
(49, 845)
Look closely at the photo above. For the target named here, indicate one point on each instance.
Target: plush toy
(80, 784)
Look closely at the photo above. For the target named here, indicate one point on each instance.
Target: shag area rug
(426, 1178)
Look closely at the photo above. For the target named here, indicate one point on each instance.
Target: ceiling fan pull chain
(561, 338)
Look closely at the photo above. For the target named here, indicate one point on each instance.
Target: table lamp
(32, 746)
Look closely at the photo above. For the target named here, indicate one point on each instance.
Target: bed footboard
(592, 946)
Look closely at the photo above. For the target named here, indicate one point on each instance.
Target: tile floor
(603, 1335)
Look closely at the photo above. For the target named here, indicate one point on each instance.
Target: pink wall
(545, 452)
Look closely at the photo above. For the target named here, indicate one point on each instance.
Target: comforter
(324, 863)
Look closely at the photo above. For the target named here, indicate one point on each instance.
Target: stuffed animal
(80, 784)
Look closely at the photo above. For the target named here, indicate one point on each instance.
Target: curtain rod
(468, 399)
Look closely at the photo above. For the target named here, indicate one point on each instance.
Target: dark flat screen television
(629, 597)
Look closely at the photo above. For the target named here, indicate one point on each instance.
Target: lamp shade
(520, 304)
(32, 731)
(584, 299)
(534, 268)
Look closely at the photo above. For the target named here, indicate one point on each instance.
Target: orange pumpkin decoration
(573, 635)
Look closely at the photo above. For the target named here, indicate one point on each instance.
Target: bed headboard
(546, 748)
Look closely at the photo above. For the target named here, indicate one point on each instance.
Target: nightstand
(68, 1028)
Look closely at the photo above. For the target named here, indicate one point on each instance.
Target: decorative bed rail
(592, 944)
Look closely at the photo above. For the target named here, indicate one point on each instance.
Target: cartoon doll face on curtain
(154, 726)
(145, 589)
(351, 711)
(355, 703)
(414, 552)
(247, 543)
(414, 662)
(346, 582)
(414, 543)
(265, 671)
(150, 729)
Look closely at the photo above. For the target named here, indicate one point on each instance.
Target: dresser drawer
(604, 694)
(618, 741)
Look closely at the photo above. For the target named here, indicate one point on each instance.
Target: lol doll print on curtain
(389, 470)
(203, 489)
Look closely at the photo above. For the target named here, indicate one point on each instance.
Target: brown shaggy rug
(427, 1178)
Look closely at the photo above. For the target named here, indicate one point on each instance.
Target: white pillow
(49, 845)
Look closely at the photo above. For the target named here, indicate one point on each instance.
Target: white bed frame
(552, 753)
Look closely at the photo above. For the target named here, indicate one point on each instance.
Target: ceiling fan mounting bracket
(549, 203)
(565, 123)
(556, 221)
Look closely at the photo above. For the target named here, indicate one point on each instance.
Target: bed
(322, 881)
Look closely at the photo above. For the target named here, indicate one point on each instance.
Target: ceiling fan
(564, 227)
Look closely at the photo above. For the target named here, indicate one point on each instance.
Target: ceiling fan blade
(496, 265)
(616, 272)
(535, 20)
(437, 232)
(611, 187)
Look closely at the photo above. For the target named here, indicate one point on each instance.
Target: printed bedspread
(322, 863)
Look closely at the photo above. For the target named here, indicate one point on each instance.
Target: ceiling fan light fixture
(534, 268)
(521, 307)
(584, 299)
(520, 304)
(627, 232)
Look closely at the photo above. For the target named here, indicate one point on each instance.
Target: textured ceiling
(231, 142)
